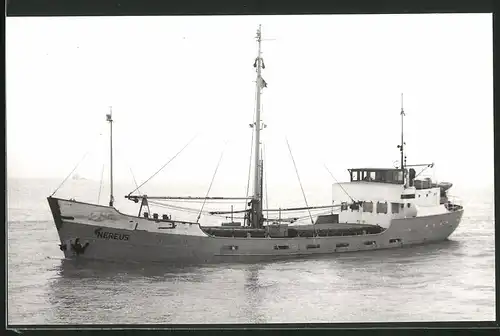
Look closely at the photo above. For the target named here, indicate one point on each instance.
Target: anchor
(78, 248)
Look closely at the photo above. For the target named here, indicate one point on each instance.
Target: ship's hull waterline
(114, 236)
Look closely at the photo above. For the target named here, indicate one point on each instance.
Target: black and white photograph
(249, 169)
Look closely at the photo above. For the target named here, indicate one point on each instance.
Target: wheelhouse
(378, 175)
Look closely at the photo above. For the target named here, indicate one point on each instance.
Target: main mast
(110, 120)
(401, 146)
(256, 215)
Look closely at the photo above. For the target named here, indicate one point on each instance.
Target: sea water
(448, 281)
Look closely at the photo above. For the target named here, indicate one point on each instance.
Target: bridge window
(281, 247)
(342, 245)
(380, 176)
(367, 206)
(343, 206)
(382, 207)
(313, 246)
(369, 176)
(377, 175)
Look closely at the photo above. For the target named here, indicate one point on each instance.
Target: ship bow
(56, 211)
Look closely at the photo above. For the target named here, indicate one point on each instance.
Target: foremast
(110, 120)
(256, 215)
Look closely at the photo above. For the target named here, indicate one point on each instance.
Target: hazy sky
(334, 85)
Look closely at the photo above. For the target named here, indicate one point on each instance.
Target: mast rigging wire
(123, 157)
(340, 185)
(211, 182)
(100, 184)
(284, 210)
(296, 210)
(173, 206)
(179, 152)
(135, 181)
(78, 164)
(69, 174)
(265, 180)
(200, 200)
(431, 165)
(298, 177)
(191, 210)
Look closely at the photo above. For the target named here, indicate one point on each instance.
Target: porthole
(230, 247)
